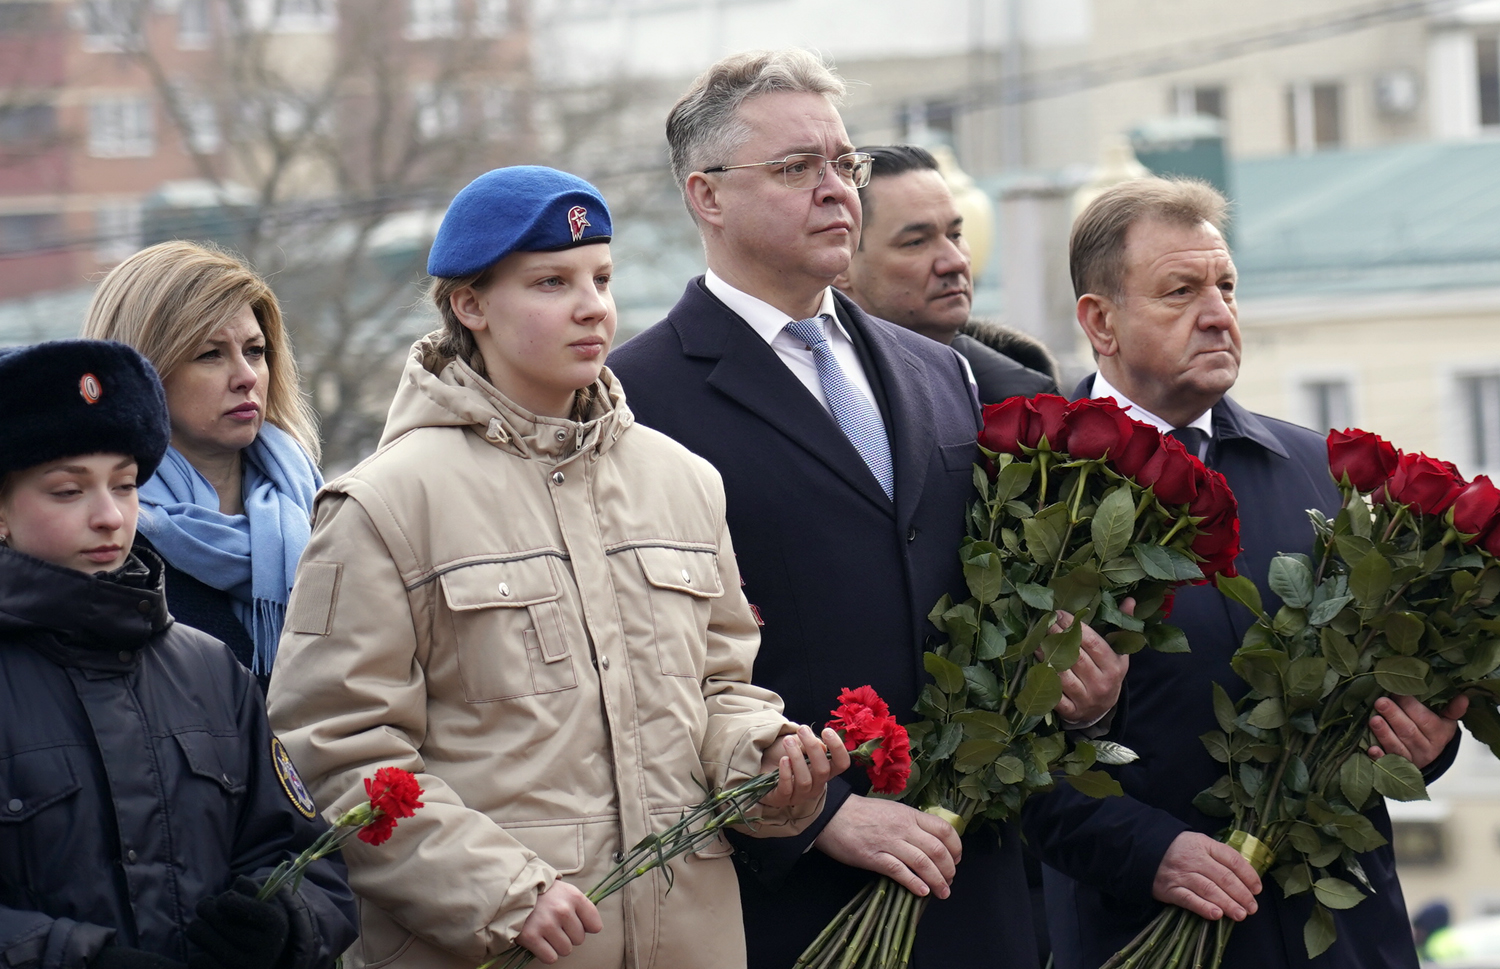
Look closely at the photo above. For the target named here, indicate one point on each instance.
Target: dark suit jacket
(1103, 855)
(998, 376)
(842, 577)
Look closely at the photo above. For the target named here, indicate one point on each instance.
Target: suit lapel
(908, 402)
(750, 373)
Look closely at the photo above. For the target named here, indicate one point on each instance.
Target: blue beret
(70, 397)
(527, 208)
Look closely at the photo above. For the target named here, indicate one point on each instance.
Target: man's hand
(1406, 728)
(805, 765)
(558, 922)
(917, 850)
(1206, 877)
(1092, 687)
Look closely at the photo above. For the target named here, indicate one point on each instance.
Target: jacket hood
(442, 391)
(104, 612)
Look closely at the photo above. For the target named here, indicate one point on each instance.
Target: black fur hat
(70, 397)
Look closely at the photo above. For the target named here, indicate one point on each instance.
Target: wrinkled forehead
(1156, 248)
(787, 122)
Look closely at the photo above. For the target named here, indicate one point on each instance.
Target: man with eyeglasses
(846, 445)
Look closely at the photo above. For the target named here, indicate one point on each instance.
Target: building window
(439, 111)
(23, 17)
(1313, 117)
(427, 19)
(1188, 100)
(491, 17)
(27, 233)
(110, 25)
(304, 16)
(27, 125)
(122, 128)
(1419, 843)
(1479, 400)
(1327, 404)
(1487, 51)
(199, 120)
(193, 25)
(117, 231)
(501, 112)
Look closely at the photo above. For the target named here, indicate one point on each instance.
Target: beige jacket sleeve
(349, 696)
(743, 719)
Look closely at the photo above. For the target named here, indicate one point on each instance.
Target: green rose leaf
(1242, 590)
(974, 755)
(1012, 480)
(1095, 783)
(1339, 652)
(1041, 692)
(991, 644)
(1370, 579)
(984, 687)
(1483, 721)
(1359, 514)
(1322, 614)
(1318, 934)
(1076, 591)
(1357, 778)
(1167, 638)
(1482, 661)
(1009, 770)
(1113, 523)
(1268, 714)
(1291, 579)
(1304, 679)
(1113, 754)
(1060, 650)
(1398, 779)
(1403, 630)
(1122, 571)
(984, 571)
(1402, 674)
(1224, 711)
(1294, 879)
(1035, 596)
(983, 725)
(1337, 893)
(948, 676)
(1044, 533)
(1217, 746)
(981, 482)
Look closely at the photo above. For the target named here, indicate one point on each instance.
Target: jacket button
(15, 805)
(618, 857)
(504, 589)
(557, 477)
(124, 656)
(604, 661)
(687, 577)
(562, 435)
(143, 607)
(911, 536)
(130, 855)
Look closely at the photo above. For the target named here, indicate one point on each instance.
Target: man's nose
(952, 258)
(1215, 312)
(832, 188)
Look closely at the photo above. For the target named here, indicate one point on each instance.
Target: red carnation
(890, 763)
(393, 795)
(859, 716)
(1171, 472)
(1474, 508)
(1009, 426)
(1426, 484)
(1051, 410)
(1366, 458)
(378, 830)
(1144, 441)
(1094, 427)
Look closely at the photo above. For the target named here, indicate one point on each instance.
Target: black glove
(236, 931)
(121, 957)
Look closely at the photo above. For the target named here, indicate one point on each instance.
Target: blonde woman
(229, 510)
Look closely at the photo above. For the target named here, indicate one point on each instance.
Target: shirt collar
(764, 318)
(1103, 388)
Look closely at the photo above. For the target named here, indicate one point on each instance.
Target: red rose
(1094, 427)
(1474, 508)
(1219, 545)
(1052, 410)
(1491, 540)
(1133, 454)
(1171, 472)
(1423, 483)
(860, 716)
(1213, 498)
(1009, 426)
(890, 763)
(1366, 458)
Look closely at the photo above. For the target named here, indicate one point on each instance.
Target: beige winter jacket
(543, 620)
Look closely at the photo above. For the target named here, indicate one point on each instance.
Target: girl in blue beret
(532, 602)
(142, 798)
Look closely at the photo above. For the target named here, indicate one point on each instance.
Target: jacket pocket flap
(488, 585)
(959, 457)
(682, 570)
(32, 781)
(559, 845)
(214, 758)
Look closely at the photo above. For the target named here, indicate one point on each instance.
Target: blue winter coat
(136, 776)
(1103, 855)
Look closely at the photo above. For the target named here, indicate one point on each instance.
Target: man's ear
(465, 305)
(702, 194)
(1096, 316)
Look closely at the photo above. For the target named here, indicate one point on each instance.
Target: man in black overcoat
(846, 445)
(1156, 299)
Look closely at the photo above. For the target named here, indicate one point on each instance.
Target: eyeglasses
(806, 170)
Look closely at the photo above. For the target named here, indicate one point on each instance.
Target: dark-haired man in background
(912, 267)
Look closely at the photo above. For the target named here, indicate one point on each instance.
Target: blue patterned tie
(856, 414)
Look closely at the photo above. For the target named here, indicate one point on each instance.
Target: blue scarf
(253, 556)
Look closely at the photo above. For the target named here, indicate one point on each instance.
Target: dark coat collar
(1231, 421)
(80, 619)
(749, 371)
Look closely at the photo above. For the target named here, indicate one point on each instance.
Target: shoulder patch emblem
(290, 782)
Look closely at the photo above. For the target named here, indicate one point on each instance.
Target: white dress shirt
(1103, 388)
(771, 322)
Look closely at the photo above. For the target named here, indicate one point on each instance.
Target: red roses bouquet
(1078, 508)
(1398, 597)
(393, 795)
